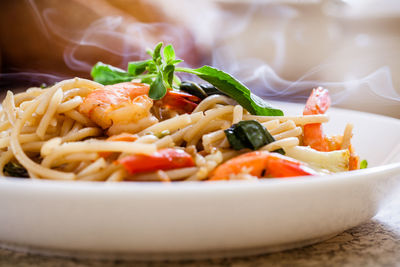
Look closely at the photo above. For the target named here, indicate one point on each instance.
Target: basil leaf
(157, 88)
(152, 67)
(107, 74)
(147, 80)
(169, 54)
(175, 61)
(149, 52)
(157, 52)
(169, 74)
(235, 89)
(137, 67)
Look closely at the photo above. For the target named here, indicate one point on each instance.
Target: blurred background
(280, 49)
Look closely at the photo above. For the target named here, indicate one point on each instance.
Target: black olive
(15, 169)
(193, 89)
(210, 89)
(200, 90)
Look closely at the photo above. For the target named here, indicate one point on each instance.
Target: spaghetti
(79, 129)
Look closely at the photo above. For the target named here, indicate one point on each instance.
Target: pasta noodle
(237, 113)
(211, 101)
(70, 104)
(347, 136)
(171, 125)
(209, 116)
(282, 143)
(48, 134)
(9, 107)
(298, 120)
(290, 133)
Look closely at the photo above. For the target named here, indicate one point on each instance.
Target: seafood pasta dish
(145, 124)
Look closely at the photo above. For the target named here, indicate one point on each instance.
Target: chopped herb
(163, 133)
(364, 164)
(15, 169)
(137, 67)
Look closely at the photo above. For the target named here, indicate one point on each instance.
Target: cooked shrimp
(261, 164)
(318, 102)
(118, 106)
(313, 136)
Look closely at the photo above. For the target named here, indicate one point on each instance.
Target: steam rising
(373, 93)
(111, 34)
(206, 26)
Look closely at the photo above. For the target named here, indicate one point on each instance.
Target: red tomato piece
(164, 159)
(180, 101)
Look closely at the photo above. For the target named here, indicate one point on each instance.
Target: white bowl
(203, 219)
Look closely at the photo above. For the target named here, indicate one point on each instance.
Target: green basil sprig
(159, 73)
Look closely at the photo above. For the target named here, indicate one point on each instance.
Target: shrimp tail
(261, 164)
